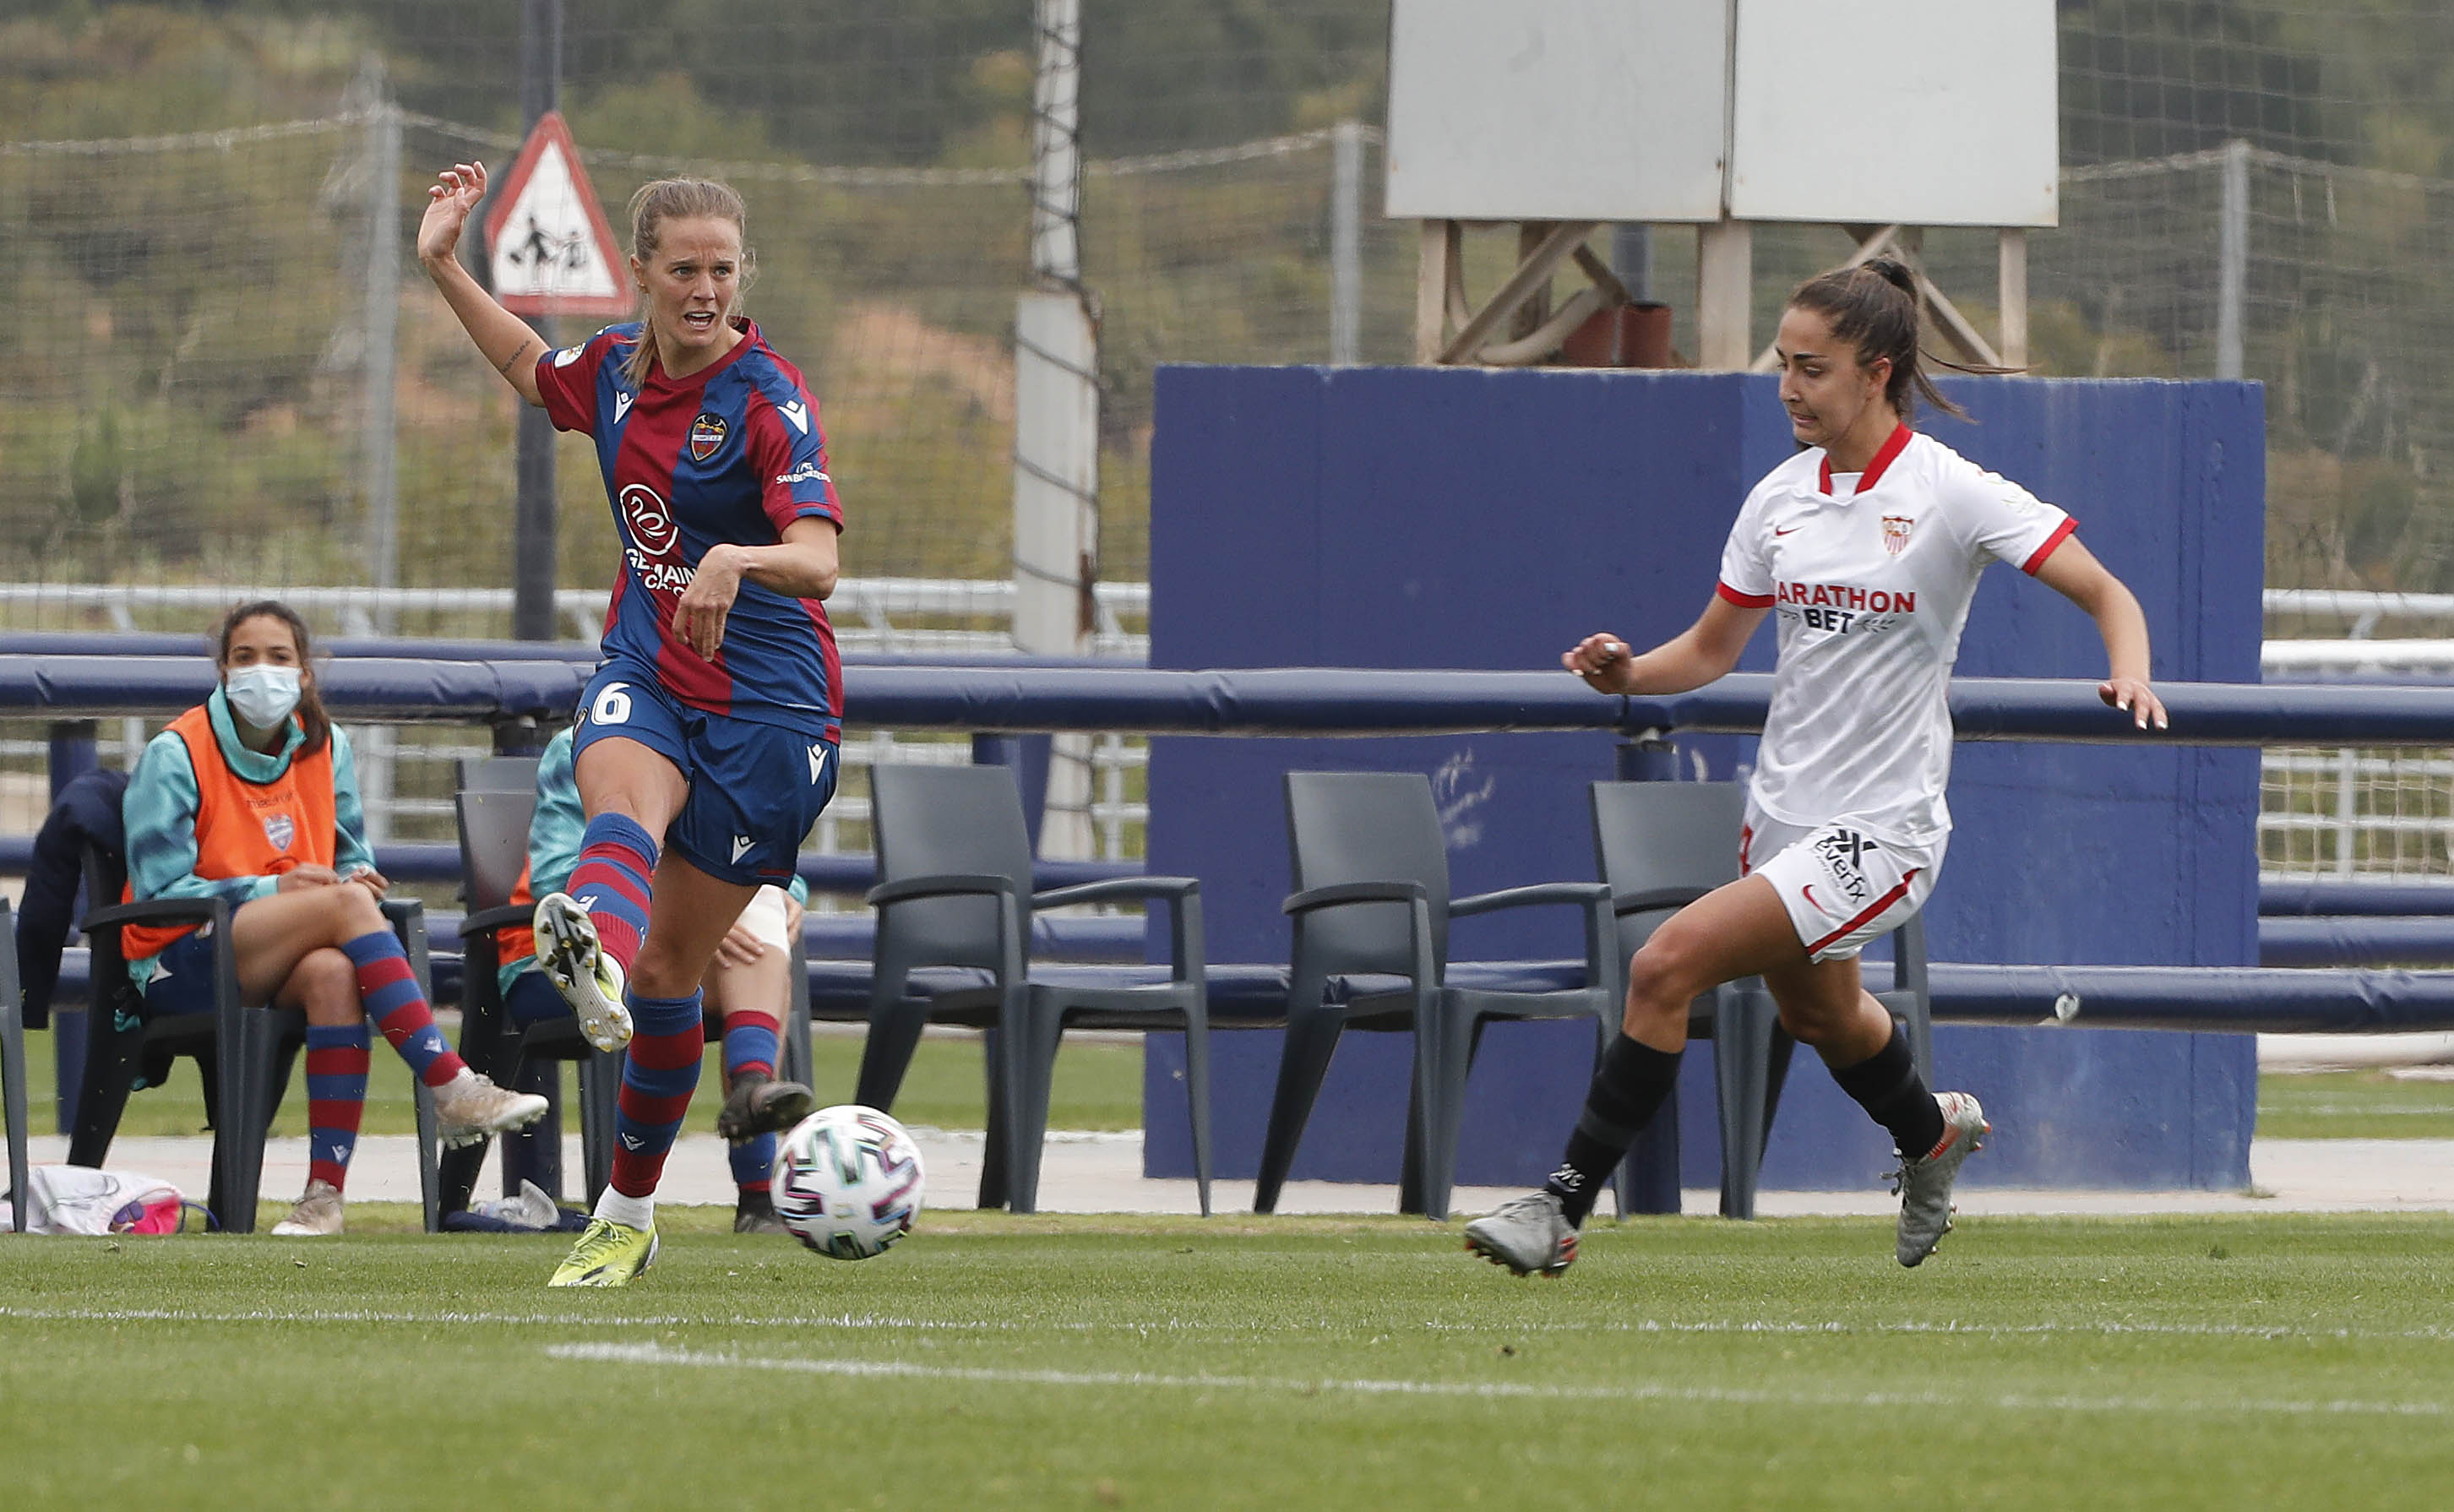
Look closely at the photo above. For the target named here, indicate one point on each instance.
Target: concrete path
(1101, 1173)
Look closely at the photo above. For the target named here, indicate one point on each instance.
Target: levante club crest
(707, 433)
(1896, 533)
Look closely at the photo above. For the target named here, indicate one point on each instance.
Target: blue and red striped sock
(617, 858)
(336, 1098)
(389, 990)
(750, 1039)
(659, 1073)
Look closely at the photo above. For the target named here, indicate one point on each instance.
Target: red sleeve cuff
(1744, 601)
(2037, 558)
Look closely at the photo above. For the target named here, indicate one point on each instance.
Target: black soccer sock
(1887, 1085)
(1633, 1081)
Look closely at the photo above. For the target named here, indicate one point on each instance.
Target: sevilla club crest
(1896, 533)
(706, 435)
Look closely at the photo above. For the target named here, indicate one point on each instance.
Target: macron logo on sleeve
(798, 413)
(622, 406)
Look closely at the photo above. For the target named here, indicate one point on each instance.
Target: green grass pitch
(992, 1361)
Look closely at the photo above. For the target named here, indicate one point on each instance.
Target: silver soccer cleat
(317, 1212)
(469, 1107)
(588, 978)
(1529, 1235)
(1925, 1181)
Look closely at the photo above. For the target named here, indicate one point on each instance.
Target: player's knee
(1668, 971)
(326, 985)
(659, 973)
(1814, 1021)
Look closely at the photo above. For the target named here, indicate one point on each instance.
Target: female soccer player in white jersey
(1867, 544)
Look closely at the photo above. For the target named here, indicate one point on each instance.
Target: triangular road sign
(551, 252)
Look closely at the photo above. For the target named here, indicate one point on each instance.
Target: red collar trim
(1892, 448)
(749, 338)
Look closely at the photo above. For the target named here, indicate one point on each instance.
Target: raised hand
(449, 202)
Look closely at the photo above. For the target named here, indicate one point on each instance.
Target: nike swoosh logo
(1809, 893)
(1793, 530)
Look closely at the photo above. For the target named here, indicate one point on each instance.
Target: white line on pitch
(1512, 1327)
(876, 1369)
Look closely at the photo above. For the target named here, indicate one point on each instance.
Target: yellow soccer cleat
(608, 1254)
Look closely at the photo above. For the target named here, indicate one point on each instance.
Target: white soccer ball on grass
(848, 1181)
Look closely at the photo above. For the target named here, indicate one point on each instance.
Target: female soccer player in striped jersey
(1867, 544)
(706, 743)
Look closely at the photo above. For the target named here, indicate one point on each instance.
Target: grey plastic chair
(493, 828)
(12, 1069)
(954, 862)
(498, 774)
(1661, 846)
(243, 1051)
(1372, 898)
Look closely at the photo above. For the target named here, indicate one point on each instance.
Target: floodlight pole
(532, 512)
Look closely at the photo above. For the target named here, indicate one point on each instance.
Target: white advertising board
(1556, 109)
(1924, 113)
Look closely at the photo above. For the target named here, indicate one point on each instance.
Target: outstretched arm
(504, 337)
(2074, 572)
(1705, 650)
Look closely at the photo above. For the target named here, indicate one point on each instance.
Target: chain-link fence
(192, 390)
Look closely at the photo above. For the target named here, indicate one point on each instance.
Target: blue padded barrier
(2352, 895)
(145, 644)
(1316, 702)
(2357, 940)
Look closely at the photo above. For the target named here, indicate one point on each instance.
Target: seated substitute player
(746, 983)
(252, 796)
(1867, 544)
(706, 742)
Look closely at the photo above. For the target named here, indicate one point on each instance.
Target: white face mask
(262, 694)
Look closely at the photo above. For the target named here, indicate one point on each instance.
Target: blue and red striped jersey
(731, 453)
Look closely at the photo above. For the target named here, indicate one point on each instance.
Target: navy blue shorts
(754, 789)
(183, 977)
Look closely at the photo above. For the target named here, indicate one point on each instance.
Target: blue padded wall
(1418, 517)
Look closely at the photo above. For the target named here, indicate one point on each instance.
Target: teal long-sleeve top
(160, 810)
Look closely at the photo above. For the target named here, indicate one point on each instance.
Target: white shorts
(1842, 887)
(764, 915)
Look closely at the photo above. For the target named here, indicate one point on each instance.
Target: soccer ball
(848, 1181)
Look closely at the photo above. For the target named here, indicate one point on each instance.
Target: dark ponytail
(1873, 307)
(312, 721)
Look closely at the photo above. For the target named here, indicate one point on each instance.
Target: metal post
(1631, 258)
(1056, 413)
(2232, 259)
(377, 459)
(72, 755)
(1345, 244)
(533, 513)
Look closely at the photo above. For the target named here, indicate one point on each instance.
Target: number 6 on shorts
(612, 705)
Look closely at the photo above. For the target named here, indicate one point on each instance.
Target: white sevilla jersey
(1871, 577)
